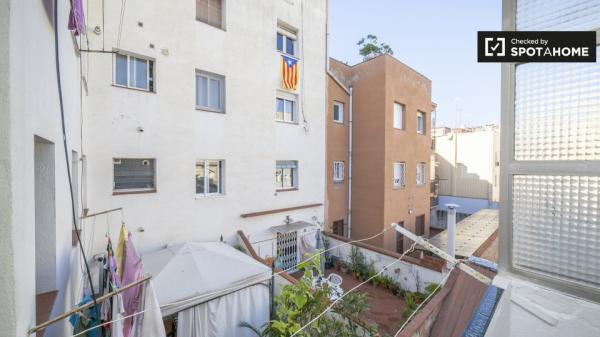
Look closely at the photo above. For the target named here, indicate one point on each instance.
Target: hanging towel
(76, 19)
(307, 245)
(150, 323)
(121, 250)
(117, 313)
(132, 271)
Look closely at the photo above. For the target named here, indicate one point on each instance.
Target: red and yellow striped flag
(289, 72)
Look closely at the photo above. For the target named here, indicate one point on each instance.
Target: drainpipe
(451, 249)
(350, 166)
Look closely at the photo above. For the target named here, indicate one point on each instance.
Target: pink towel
(132, 271)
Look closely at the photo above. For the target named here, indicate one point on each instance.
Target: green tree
(370, 47)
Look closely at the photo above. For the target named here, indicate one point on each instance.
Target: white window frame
(287, 33)
(134, 190)
(338, 171)
(398, 121)
(221, 181)
(210, 76)
(400, 181)
(340, 106)
(421, 126)
(290, 98)
(150, 78)
(295, 176)
(421, 175)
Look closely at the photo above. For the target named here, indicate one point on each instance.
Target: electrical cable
(123, 4)
(226, 290)
(412, 248)
(64, 135)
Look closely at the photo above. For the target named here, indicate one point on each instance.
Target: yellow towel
(121, 250)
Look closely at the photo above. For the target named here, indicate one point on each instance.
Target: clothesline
(223, 291)
(82, 307)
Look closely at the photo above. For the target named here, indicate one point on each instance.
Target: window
(134, 174)
(286, 175)
(420, 123)
(286, 108)
(286, 41)
(399, 175)
(398, 116)
(209, 177)
(210, 92)
(420, 225)
(210, 12)
(338, 227)
(420, 174)
(338, 171)
(400, 239)
(133, 72)
(338, 112)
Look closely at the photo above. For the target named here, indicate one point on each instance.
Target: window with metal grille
(399, 175)
(338, 171)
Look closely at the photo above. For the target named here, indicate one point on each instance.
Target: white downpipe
(451, 249)
(350, 166)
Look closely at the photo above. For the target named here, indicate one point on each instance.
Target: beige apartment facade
(386, 145)
(466, 170)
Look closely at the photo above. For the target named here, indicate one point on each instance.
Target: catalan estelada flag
(289, 72)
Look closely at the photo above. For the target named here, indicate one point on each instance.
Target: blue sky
(438, 39)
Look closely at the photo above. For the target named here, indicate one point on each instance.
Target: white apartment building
(190, 129)
(36, 250)
(466, 170)
(175, 112)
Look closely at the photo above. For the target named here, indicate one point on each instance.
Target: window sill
(420, 185)
(222, 28)
(209, 196)
(398, 187)
(286, 122)
(134, 191)
(288, 55)
(287, 189)
(132, 88)
(199, 108)
(338, 122)
(399, 129)
(339, 182)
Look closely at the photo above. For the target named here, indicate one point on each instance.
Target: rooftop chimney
(451, 229)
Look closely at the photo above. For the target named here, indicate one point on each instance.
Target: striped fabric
(289, 72)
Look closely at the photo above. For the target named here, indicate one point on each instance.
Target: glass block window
(557, 111)
(558, 14)
(556, 226)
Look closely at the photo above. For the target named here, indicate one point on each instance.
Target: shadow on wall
(49, 9)
(468, 184)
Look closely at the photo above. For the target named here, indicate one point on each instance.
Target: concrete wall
(407, 274)
(247, 136)
(33, 110)
(377, 84)
(337, 150)
(467, 164)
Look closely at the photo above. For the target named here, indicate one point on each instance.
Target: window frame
(402, 116)
(294, 176)
(150, 71)
(402, 183)
(285, 96)
(210, 76)
(423, 175)
(421, 129)
(223, 7)
(286, 33)
(221, 180)
(337, 178)
(340, 106)
(119, 191)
